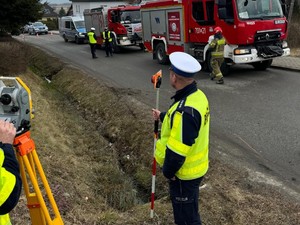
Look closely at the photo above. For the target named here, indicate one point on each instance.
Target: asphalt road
(255, 119)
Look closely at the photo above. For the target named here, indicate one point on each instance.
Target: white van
(72, 28)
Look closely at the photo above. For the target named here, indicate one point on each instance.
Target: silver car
(38, 28)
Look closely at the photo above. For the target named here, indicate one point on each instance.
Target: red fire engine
(123, 21)
(255, 30)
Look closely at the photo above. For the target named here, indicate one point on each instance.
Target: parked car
(38, 28)
(25, 28)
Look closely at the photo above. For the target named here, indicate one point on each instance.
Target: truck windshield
(259, 9)
(79, 24)
(131, 16)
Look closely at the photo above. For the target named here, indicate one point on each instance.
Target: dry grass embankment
(96, 149)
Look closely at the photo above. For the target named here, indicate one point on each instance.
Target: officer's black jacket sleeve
(190, 130)
(11, 164)
(162, 116)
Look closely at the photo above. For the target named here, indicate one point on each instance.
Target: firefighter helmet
(218, 30)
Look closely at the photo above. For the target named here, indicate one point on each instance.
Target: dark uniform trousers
(185, 192)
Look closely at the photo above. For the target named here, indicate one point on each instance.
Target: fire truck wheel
(225, 68)
(141, 45)
(115, 47)
(206, 65)
(262, 65)
(66, 40)
(161, 55)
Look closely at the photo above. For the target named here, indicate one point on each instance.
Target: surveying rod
(156, 80)
(16, 107)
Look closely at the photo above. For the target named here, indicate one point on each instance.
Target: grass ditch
(95, 144)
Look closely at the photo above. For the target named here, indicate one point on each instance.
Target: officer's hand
(155, 114)
(7, 132)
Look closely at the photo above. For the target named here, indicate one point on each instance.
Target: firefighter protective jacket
(217, 44)
(10, 182)
(194, 155)
(92, 37)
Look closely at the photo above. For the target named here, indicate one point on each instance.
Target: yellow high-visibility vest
(92, 40)
(7, 184)
(108, 36)
(4, 220)
(196, 156)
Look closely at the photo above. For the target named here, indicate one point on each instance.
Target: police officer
(92, 41)
(182, 149)
(106, 35)
(217, 55)
(10, 181)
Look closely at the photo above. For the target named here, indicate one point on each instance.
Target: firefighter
(106, 35)
(182, 149)
(217, 55)
(10, 180)
(92, 41)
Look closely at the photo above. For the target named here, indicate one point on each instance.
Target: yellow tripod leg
(30, 162)
(33, 204)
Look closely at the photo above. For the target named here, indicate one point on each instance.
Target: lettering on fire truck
(199, 30)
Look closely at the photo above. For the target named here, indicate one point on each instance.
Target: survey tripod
(16, 107)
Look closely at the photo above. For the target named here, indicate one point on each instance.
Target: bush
(52, 24)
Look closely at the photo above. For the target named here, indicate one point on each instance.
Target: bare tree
(291, 8)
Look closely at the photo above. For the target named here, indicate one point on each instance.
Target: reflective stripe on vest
(196, 156)
(109, 37)
(4, 220)
(7, 184)
(219, 49)
(92, 40)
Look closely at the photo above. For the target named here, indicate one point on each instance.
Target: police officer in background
(182, 149)
(10, 180)
(106, 35)
(217, 55)
(92, 41)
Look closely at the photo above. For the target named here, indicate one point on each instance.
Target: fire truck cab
(123, 21)
(255, 30)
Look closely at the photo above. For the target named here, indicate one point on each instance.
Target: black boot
(221, 81)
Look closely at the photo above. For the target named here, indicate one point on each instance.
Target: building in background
(48, 13)
(57, 7)
(78, 6)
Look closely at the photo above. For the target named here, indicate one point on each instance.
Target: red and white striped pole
(156, 80)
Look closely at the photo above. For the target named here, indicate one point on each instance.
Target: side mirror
(222, 13)
(221, 3)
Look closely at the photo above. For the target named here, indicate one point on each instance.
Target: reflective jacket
(196, 156)
(10, 182)
(108, 38)
(217, 44)
(92, 38)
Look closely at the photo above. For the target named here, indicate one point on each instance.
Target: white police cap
(184, 64)
(92, 28)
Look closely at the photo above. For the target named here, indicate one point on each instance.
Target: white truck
(72, 28)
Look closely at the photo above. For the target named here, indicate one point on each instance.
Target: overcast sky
(56, 1)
